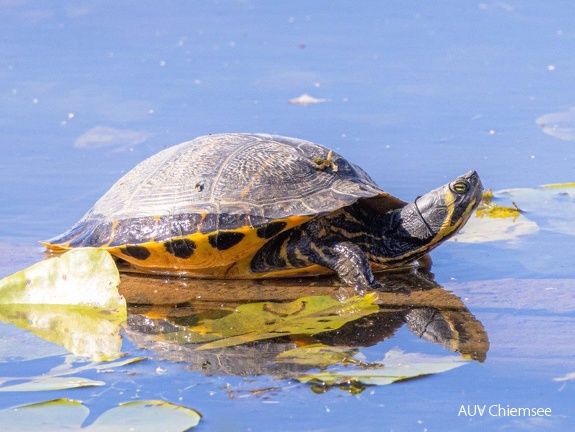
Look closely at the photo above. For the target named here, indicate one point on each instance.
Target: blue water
(416, 93)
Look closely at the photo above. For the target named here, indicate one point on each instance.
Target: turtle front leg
(348, 261)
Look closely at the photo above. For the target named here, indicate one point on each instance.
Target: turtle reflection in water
(430, 312)
(250, 206)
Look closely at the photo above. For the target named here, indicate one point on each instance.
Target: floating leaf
(102, 136)
(489, 229)
(84, 276)
(51, 383)
(396, 366)
(559, 125)
(551, 206)
(488, 208)
(58, 378)
(559, 186)
(511, 213)
(495, 221)
(70, 300)
(150, 415)
(67, 369)
(65, 414)
(54, 415)
(258, 321)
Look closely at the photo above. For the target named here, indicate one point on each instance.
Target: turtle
(251, 206)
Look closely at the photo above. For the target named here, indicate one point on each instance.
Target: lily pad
(396, 366)
(509, 214)
(52, 383)
(65, 414)
(264, 320)
(68, 369)
(84, 276)
(54, 415)
(59, 377)
(481, 229)
(71, 300)
(489, 208)
(551, 206)
(559, 125)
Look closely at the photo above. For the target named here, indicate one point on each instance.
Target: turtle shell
(202, 206)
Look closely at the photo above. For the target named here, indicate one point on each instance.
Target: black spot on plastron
(270, 229)
(138, 252)
(225, 240)
(182, 248)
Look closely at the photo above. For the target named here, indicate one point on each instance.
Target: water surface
(414, 93)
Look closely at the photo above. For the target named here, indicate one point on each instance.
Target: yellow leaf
(264, 320)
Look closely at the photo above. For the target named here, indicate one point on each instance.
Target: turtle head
(436, 216)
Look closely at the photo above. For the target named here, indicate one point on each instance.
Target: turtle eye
(459, 187)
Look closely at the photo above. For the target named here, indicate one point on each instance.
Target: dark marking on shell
(134, 231)
(181, 248)
(138, 252)
(209, 223)
(271, 229)
(225, 240)
(90, 233)
(177, 225)
(213, 222)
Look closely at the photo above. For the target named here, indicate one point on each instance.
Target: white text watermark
(499, 410)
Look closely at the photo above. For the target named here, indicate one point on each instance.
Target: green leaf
(58, 378)
(51, 383)
(496, 219)
(49, 416)
(258, 321)
(559, 124)
(64, 414)
(396, 366)
(150, 415)
(490, 229)
(84, 276)
(71, 300)
(488, 208)
(67, 369)
(551, 206)
(509, 214)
